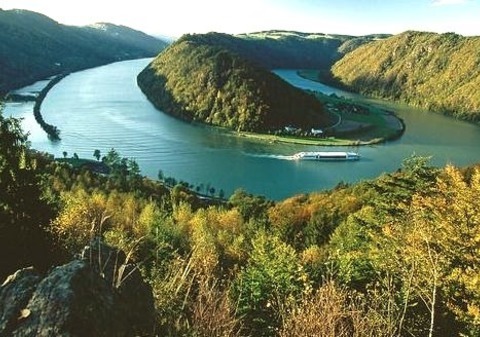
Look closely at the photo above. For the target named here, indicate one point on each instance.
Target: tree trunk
(432, 307)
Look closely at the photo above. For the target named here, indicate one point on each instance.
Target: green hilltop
(296, 50)
(440, 72)
(204, 78)
(287, 49)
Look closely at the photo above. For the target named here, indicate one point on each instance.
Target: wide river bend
(103, 108)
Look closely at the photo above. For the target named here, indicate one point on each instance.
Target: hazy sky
(354, 17)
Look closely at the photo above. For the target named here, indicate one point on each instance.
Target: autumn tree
(270, 283)
(450, 221)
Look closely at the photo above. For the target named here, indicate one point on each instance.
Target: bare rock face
(14, 296)
(95, 295)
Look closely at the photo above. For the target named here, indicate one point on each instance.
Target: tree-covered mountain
(33, 46)
(202, 78)
(440, 72)
(287, 49)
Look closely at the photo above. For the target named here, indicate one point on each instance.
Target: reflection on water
(103, 108)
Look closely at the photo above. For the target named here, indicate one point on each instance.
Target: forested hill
(287, 49)
(433, 71)
(199, 78)
(33, 46)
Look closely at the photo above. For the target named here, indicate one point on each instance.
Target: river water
(103, 108)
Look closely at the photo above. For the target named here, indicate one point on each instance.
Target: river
(103, 108)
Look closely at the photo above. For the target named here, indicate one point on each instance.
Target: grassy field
(328, 141)
(353, 130)
(361, 121)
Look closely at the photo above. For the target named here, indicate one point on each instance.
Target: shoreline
(358, 124)
(328, 141)
(391, 122)
(52, 131)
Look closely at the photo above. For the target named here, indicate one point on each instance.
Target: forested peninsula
(198, 79)
(439, 72)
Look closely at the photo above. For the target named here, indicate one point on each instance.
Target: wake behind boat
(327, 156)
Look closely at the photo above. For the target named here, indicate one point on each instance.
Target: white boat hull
(327, 156)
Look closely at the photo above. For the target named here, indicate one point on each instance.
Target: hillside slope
(33, 46)
(432, 71)
(197, 78)
(287, 49)
(381, 255)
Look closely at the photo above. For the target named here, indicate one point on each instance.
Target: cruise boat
(326, 156)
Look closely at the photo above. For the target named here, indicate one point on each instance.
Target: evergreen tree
(23, 213)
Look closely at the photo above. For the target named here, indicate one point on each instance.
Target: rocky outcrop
(98, 294)
(14, 296)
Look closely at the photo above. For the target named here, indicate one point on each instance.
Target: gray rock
(113, 266)
(86, 297)
(15, 293)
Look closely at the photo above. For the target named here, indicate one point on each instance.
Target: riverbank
(52, 131)
(359, 121)
(205, 192)
(362, 122)
(328, 141)
(358, 124)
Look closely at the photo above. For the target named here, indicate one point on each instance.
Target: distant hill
(207, 78)
(286, 49)
(33, 46)
(166, 38)
(440, 72)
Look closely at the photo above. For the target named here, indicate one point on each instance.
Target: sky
(174, 18)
